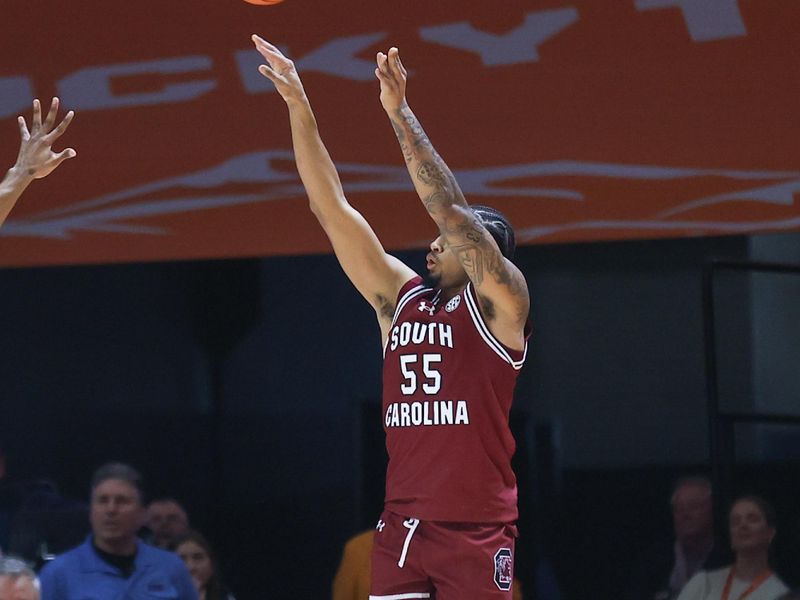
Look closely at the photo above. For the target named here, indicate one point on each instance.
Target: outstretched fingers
(382, 61)
(395, 62)
(390, 68)
(62, 156)
(267, 72)
(62, 127)
(23, 129)
(51, 115)
(36, 121)
(259, 41)
(272, 53)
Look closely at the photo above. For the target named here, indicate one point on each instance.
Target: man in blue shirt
(113, 564)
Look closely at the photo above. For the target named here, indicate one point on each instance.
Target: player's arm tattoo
(445, 203)
(481, 259)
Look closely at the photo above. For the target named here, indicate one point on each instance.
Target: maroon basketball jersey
(447, 391)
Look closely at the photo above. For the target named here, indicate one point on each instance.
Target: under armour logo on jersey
(380, 525)
(424, 306)
(453, 304)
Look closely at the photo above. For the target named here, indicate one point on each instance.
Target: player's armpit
(377, 275)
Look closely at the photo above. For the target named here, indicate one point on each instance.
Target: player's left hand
(393, 76)
(36, 158)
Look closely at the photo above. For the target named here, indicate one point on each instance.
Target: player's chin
(432, 279)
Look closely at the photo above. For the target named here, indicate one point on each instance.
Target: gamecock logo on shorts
(503, 569)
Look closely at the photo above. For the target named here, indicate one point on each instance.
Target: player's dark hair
(122, 472)
(498, 227)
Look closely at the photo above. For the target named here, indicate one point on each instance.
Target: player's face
(197, 561)
(749, 528)
(444, 266)
(116, 512)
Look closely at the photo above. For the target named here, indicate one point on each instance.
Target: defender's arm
(36, 158)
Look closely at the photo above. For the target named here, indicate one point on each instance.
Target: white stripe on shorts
(411, 525)
(401, 596)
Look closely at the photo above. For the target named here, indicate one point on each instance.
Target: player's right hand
(279, 70)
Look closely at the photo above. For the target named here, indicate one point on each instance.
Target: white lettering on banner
(338, 58)
(517, 46)
(90, 88)
(707, 20)
(110, 213)
(16, 94)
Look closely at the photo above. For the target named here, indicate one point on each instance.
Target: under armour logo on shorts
(380, 525)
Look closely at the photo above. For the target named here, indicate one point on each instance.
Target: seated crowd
(131, 551)
(135, 550)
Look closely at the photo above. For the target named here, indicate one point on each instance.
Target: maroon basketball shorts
(445, 561)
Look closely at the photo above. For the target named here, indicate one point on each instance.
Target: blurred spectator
(751, 522)
(789, 565)
(666, 567)
(35, 519)
(17, 580)
(47, 523)
(167, 521)
(352, 578)
(113, 562)
(201, 560)
(6, 504)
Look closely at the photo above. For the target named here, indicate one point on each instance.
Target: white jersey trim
(401, 596)
(405, 299)
(487, 336)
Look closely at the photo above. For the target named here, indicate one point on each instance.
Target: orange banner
(581, 119)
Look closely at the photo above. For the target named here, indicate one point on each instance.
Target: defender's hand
(279, 70)
(392, 75)
(36, 158)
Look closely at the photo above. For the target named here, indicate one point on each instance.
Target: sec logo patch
(453, 304)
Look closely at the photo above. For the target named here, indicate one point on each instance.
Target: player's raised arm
(377, 275)
(501, 287)
(36, 158)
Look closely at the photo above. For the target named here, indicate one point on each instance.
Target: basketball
(263, 2)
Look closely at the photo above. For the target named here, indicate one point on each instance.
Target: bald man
(17, 580)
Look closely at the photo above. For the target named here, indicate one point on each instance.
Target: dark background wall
(249, 390)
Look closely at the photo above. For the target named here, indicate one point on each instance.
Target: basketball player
(36, 159)
(451, 357)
